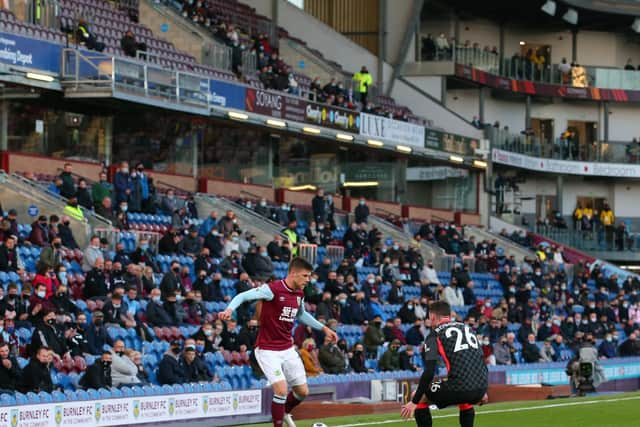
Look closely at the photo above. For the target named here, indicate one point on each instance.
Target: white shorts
(282, 365)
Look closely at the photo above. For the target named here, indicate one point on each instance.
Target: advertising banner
(30, 53)
(130, 411)
(449, 142)
(393, 130)
(333, 117)
(435, 173)
(618, 170)
(227, 95)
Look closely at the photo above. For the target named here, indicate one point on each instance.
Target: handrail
(255, 196)
(384, 211)
(171, 186)
(78, 176)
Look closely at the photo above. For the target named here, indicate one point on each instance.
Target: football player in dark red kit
(467, 376)
(282, 304)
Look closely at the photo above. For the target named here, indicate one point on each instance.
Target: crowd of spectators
(554, 314)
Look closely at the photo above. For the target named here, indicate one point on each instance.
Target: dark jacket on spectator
(171, 370)
(84, 198)
(95, 284)
(358, 362)
(97, 337)
(169, 284)
(362, 213)
(121, 183)
(39, 235)
(97, 376)
(68, 185)
(331, 359)
(9, 378)
(157, 315)
(214, 244)
(196, 371)
(8, 259)
(36, 377)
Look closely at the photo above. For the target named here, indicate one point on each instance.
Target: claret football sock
(466, 417)
(422, 414)
(277, 410)
(293, 400)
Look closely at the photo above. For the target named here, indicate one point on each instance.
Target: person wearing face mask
(170, 281)
(51, 255)
(407, 312)
(530, 351)
(354, 311)
(171, 369)
(415, 335)
(390, 360)
(10, 371)
(607, 348)
(155, 312)
(65, 234)
(124, 371)
(122, 183)
(309, 355)
(263, 265)
(36, 376)
(361, 211)
(374, 336)
(544, 330)
(96, 334)
(62, 301)
(39, 304)
(73, 209)
(357, 359)
(98, 375)
(46, 334)
(194, 308)
(332, 357)
(46, 277)
(39, 235)
(115, 311)
(248, 335)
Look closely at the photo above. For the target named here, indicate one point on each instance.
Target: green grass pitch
(611, 410)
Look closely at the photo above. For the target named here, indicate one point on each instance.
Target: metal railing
(597, 238)
(216, 55)
(564, 148)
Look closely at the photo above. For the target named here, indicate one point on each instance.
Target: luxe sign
(393, 130)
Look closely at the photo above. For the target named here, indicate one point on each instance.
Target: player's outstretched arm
(261, 293)
(306, 318)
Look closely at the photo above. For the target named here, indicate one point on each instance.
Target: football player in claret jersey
(282, 304)
(467, 376)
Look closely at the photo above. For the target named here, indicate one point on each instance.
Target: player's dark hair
(440, 308)
(299, 263)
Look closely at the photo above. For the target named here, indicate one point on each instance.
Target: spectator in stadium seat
(231, 267)
(530, 350)
(98, 375)
(331, 357)
(357, 359)
(309, 355)
(191, 244)
(274, 249)
(390, 360)
(396, 294)
(373, 336)
(105, 210)
(62, 301)
(39, 303)
(248, 335)
(39, 235)
(263, 209)
(101, 190)
(46, 334)
(168, 244)
(130, 46)
(406, 359)
(548, 353)
(361, 211)
(66, 234)
(607, 348)
(232, 245)
(327, 310)
(68, 185)
(95, 285)
(407, 312)
(208, 224)
(504, 350)
(195, 368)
(10, 371)
(155, 312)
(96, 334)
(144, 255)
(91, 254)
(203, 262)
(170, 203)
(230, 336)
(124, 371)
(630, 347)
(83, 34)
(263, 265)
(83, 195)
(415, 335)
(171, 369)
(115, 312)
(136, 358)
(9, 258)
(170, 282)
(36, 376)
(453, 295)
(51, 254)
(213, 242)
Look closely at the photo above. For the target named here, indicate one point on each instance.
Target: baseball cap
(13, 212)
(176, 343)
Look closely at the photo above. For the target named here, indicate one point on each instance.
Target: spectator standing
(361, 211)
(319, 207)
(72, 209)
(365, 81)
(83, 195)
(607, 218)
(101, 189)
(122, 183)
(68, 188)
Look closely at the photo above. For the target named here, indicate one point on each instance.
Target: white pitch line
(501, 411)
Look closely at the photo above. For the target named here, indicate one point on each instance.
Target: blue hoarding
(30, 53)
(227, 95)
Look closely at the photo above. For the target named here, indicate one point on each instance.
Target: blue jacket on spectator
(97, 337)
(121, 183)
(206, 226)
(607, 349)
(171, 370)
(355, 313)
(374, 309)
(414, 336)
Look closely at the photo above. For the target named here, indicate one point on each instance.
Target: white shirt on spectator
(89, 258)
(230, 246)
(557, 258)
(453, 296)
(429, 275)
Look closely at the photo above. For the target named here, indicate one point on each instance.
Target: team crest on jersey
(98, 412)
(205, 404)
(57, 414)
(14, 418)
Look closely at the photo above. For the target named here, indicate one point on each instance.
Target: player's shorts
(282, 365)
(440, 394)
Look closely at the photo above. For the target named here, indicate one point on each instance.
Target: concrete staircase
(185, 37)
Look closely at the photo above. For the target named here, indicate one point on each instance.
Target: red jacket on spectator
(49, 282)
(397, 333)
(39, 236)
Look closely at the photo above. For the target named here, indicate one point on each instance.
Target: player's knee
(302, 391)
(279, 388)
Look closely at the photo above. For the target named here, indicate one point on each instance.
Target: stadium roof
(601, 15)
